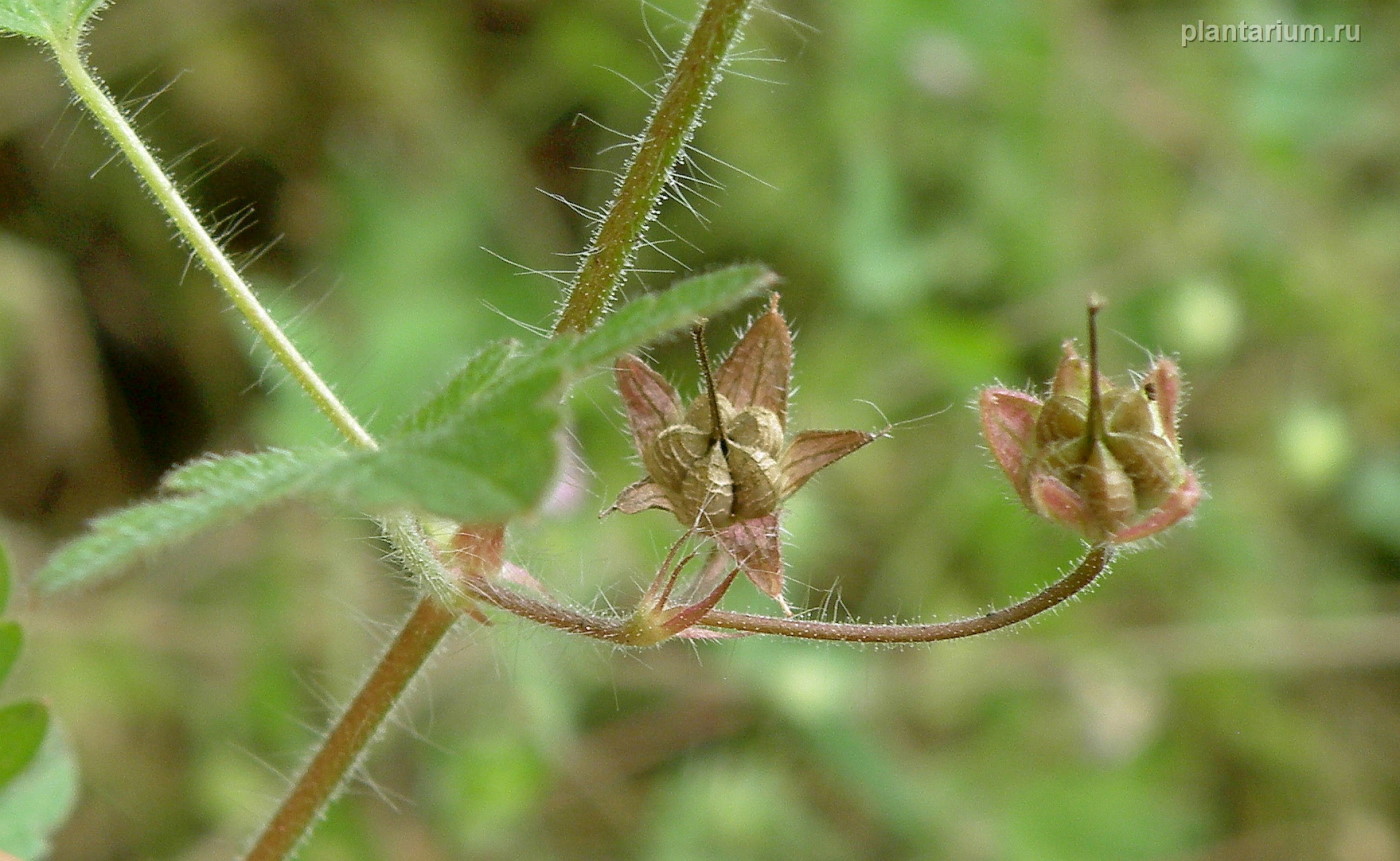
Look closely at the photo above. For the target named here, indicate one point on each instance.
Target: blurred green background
(940, 184)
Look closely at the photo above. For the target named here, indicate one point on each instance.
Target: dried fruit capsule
(1101, 459)
(723, 465)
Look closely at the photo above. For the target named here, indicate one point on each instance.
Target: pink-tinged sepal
(812, 451)
(1162, 385)
(1177, 507)
(756, 547)
(1100, 459)
(1008, 424)
(758, 369)
(652, 403)
(679, 620)
(1055, 501)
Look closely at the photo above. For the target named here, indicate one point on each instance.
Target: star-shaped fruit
(1101, 459)
(723, 464)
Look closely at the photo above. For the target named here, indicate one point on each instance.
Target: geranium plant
(447, 480)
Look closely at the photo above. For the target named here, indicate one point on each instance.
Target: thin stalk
(1095, 562)
(361, 721)
(350, 736)
(91, 93)
(619, 630)
(1093, 422)
(717, 434)
(654, 598)
(691, 81)
(436, 611)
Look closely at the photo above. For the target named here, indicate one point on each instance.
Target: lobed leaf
(482, 448)
(638, 322)
(200, 495)
(11, 639)
(472, 381)
(49, 21)
(491, 455)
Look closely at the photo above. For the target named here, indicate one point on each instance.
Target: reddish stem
(343, 746)
(615, 630)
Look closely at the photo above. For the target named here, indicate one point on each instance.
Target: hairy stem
(1094, 563)
(1093, 422)
(92, 95)
(436, 611)
(402, 531)
(672, 122)
(618, 630)
(361, 721)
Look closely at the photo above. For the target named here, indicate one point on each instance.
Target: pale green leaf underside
(47, 20)
(39, 799)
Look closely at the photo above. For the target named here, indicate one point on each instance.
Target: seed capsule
(723, 465)
(1101, 459)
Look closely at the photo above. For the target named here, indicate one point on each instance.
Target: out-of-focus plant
(38, 779)
(450, 475)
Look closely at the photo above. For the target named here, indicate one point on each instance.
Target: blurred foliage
(38, 777)
(941, 185)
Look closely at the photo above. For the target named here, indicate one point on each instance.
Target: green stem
(692, 79)
(91, 93)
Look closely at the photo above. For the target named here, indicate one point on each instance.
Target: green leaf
(10, 640)
(48, 20)
(484, 446)
(634, 324)
(472, 381)
(490, 456)
(37, 801)
(22, 727)
(200, 495)
(649, 317)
